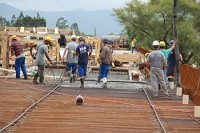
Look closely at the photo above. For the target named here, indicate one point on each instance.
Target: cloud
(63, 5)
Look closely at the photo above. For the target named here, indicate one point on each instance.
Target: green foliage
(61, 23)
(30, 22)
(154, 21)
(3, 22)
(75, 27)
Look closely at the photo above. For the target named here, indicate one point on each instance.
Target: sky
(66, 5)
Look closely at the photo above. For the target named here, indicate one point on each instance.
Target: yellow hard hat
(146, 55)
(48, 38)
(162, 44)
(14, 37)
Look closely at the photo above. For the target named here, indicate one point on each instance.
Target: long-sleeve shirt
(106, 55)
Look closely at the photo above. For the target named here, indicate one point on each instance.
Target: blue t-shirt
(171, 59)
(82, 51)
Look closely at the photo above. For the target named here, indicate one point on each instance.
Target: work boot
(26, 78)
(104, 82)
(74, 78)
(70, 79)
(82, 83)
(42, 81)
(35, 80)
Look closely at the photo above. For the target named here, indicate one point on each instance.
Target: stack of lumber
(126, 58)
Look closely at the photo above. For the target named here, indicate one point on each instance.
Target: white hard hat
(155, 43)
(73, 36)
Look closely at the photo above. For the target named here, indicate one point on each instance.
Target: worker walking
(105, 59)
(17, 49)
(42, 50)
(133, 45)
(156, 60)
(72, 59)
(82, 52)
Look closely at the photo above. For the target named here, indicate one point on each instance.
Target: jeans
(72, 66)
(104, 68)
(20, 63)
(134, 49)
(82, 70)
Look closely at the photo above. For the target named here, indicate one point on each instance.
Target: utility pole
(177, 80)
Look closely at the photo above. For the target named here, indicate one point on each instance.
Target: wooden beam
(5, 53)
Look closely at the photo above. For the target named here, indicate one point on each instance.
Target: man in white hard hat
(71, 59)
(156, 60)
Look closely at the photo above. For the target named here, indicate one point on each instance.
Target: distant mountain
(102, 20)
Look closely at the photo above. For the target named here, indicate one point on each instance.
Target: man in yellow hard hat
(17, 49)
(166, 53)
(71, 58)
(42, 50)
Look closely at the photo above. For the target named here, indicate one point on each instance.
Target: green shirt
(166, 53)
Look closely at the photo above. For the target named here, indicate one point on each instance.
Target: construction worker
(171, 61)
(105, 59)
(42, 50)
(133, 45)
(72, 59)
(82, 52)
(62, 41)
(17, 49)
(166, 53)
(157, 63)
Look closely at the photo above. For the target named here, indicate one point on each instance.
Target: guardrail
(190, 82)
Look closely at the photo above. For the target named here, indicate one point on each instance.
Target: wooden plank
(126, 58)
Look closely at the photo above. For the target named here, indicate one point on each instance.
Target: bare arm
(47, 56)
(173, 46)
(66, 50)
(31, 50)
(90, 52)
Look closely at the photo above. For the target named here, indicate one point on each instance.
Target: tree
(21, 16)
(154, 21)
(61, 23)
(13, 21)
(75, 27)
(30, 22)
(38, 15)
(3, 22)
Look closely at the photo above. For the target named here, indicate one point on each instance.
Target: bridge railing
(190, 82)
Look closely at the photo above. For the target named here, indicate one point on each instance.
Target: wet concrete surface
(114, 82)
